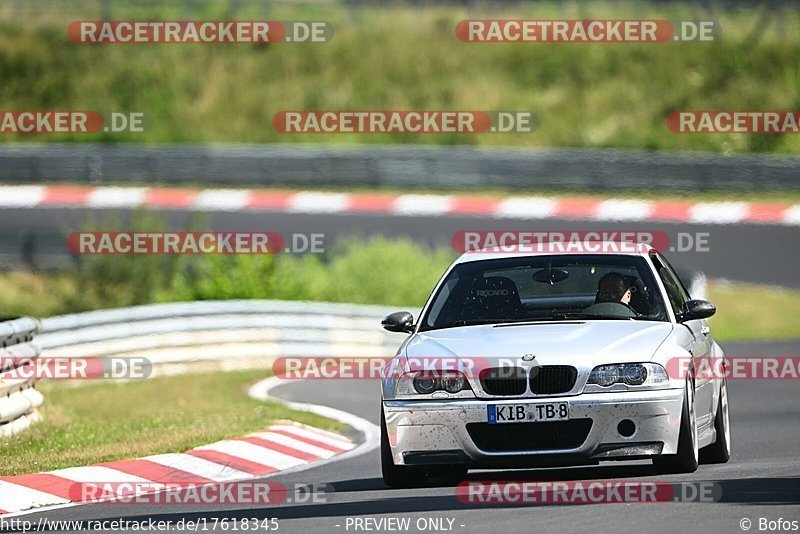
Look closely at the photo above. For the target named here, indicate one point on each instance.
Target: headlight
(453, 383)
(631, 374)
(635, 375)
(605, 375)
(427, 382)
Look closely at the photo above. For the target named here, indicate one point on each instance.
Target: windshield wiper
(594, 317)
(572, 318)
(530, 322)
(473, 322)
(591, 317)
(556, 317)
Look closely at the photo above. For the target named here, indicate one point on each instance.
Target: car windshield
(546, 288)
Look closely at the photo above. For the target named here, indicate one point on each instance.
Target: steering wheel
(627, 306)
(615, 309)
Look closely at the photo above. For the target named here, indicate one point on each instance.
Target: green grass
(36, 294)
(750, 312)
(584, 95)
(105, 421)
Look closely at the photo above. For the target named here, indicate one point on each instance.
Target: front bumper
(424, 432)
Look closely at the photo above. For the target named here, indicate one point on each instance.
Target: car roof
(558, 248)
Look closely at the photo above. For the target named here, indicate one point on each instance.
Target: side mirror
(696, 309)
(401, 321)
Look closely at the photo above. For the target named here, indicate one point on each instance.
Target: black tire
(397, 476)
(688, 457)
(719, 452)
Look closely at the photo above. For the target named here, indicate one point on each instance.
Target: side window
(681, 287)
(675, 291)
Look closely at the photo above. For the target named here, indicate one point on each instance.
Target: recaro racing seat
(493, 297)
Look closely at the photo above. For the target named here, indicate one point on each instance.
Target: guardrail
(452, 168)
(19, 398)
(221, 335)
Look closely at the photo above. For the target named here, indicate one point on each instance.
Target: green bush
(111, 281)
(220, 277)
(375, 270)
(384, 271)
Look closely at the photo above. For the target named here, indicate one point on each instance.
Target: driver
(615, 287)
(614, 293)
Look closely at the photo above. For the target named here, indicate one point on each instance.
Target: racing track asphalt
(766, 254)
(762, 478)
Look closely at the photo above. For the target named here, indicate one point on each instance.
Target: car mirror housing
(401, 321)
(696, 309)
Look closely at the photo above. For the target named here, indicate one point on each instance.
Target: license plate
(527, 413)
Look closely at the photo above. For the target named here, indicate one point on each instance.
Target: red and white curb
(279, 448)
(282, 448)
(513, 207)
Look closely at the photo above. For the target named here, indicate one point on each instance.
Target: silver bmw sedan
(541, 358)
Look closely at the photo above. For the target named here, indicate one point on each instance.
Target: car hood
(578, 343)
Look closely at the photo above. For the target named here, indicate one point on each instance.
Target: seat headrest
(495, 287)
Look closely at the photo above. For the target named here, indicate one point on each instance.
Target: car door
(700, 346)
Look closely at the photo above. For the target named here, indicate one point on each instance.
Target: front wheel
(719, 452)
(687, 459)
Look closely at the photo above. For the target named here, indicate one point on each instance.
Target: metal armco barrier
(19, 398)
(452, 168)
(221, 335)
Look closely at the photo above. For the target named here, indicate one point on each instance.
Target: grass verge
(583, 95)
(105, 421)
(751, 312)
